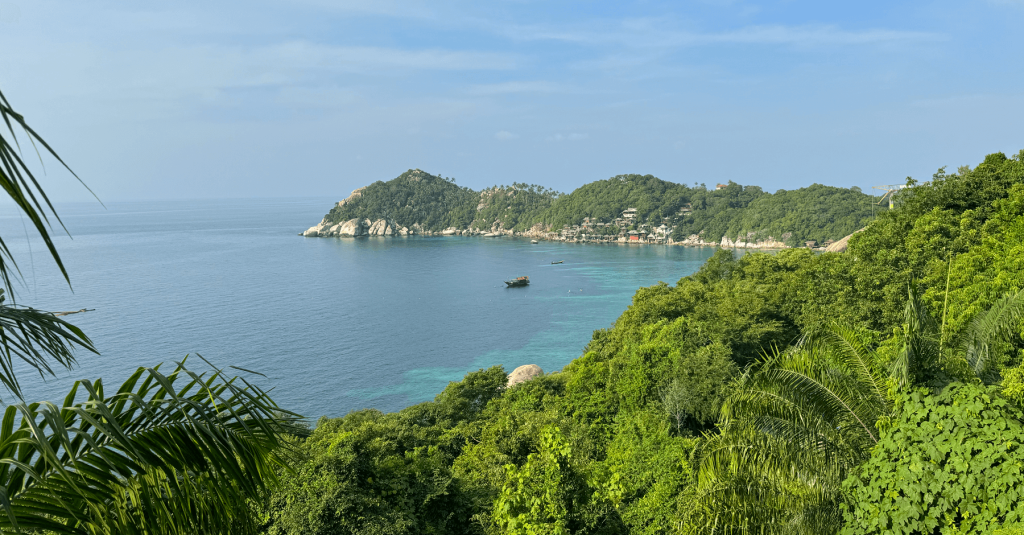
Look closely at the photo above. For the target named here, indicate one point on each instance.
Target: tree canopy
(815, 213)
(771, 393)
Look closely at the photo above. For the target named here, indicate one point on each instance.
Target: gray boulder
(352, 227)
(524, 373)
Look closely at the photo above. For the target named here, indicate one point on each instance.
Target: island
(638, 209)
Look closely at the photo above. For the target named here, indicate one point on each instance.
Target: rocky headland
(626, 209)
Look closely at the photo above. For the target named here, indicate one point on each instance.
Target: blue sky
(267, 98)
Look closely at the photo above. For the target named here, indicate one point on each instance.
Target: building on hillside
(721, 186)
(686, 209)
(811, 243)
(629, 214)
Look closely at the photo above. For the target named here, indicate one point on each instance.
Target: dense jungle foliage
(873, 391)
(814, 213)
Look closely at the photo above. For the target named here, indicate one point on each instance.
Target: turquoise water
(334, 324)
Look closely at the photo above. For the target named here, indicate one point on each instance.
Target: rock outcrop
(356, 193)
(382, 227)
(355, 228)
(524, 373)
(748, 242)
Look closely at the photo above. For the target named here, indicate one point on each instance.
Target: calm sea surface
(334, 324)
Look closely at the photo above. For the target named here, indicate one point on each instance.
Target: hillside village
(626, 229)
(623, 229)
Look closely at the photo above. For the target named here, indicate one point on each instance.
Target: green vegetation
(815, 213)
(875, 391)
(436, 203)
(176, 453)
(952, 463)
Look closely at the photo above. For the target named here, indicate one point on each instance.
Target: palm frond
(21, 185)
(32, 336)
(175, 453)
(795, 426)
(989, 327)
(36, 338)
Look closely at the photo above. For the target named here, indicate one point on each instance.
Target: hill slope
(418, 202)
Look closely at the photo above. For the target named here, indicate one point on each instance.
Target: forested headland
(878, 390)
(418, 202)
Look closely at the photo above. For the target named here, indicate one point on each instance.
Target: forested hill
(434, 203)
(877, 391)
(746, 212)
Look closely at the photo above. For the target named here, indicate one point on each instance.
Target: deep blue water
(334, 324)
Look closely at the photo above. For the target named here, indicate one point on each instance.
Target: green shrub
(952, 464)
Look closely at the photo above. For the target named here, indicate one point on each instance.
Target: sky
(266, 98)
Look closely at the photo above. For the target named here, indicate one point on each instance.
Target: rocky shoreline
(356, 228)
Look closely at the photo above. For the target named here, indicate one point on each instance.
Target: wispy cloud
(513, 87)
(656, 33)
(363, 58)
(567, 137)
(807, 35)
(390, 8)
(505, 135)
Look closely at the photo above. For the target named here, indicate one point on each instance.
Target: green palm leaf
(32, 336)
(35, 337)
(797, 423)
(988, 328)
(22, 187)
(176, 453)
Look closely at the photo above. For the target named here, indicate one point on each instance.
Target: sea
(332, 324)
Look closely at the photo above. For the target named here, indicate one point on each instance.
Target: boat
(518, 281)
(559, 262)
(533, 241)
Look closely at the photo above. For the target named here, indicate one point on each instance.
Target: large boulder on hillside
(524, 373)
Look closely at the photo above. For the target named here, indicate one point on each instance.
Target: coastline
(387, 229)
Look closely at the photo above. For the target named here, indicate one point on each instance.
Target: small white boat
(533, 241)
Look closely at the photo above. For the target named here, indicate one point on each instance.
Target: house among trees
(721, 186)
(629, 214)
(811, 243)
(686, 209)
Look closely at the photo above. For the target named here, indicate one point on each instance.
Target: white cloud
(806, 35)
(207, 72)
(656, 33)
(390, 8)
(366, 58)
(505, 135)
(513, 87)
(567, 137)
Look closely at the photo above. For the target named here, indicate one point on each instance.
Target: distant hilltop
(624, 208)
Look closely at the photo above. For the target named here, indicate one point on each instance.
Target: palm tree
(166, 453)
(800, 420)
